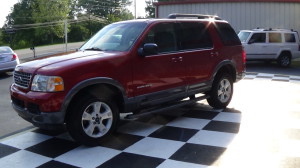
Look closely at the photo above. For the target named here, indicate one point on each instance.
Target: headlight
(43, 83)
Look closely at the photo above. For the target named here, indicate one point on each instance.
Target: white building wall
(244, 15)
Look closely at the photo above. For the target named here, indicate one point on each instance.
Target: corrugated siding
(244, 15)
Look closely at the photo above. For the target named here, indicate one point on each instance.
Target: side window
(194, 36)
(163, 35)
(275, 38)
(227, 34)
(289, 38)
(258, 38)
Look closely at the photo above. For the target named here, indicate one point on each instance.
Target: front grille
(22, 79)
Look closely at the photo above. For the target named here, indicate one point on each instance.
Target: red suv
(138, 66)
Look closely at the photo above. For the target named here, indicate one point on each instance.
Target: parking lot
(260, 128)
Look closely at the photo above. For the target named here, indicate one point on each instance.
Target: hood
(32, 66)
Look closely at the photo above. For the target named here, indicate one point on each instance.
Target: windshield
(243, 36)
(115, 37)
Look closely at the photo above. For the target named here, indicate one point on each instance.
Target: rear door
(275, 45)
(196, 50)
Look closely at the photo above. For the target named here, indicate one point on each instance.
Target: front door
(160, 76)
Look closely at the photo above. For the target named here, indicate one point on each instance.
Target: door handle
(174, 59)
(177, 59)
(214, 54)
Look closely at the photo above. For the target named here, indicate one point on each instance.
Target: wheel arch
(288, 52)
(226, 66)
(94, 86)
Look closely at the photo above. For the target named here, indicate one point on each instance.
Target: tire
(221, 92)
(284, 60)
(92, 120)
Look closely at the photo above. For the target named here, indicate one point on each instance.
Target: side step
(166, 107)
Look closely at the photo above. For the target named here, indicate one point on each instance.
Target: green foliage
(150, 9)
(53, 13)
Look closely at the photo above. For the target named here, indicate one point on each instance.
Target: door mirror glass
(148, 49)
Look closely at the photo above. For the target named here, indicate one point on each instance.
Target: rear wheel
(92, 119)
(284, 60)
(221, 92)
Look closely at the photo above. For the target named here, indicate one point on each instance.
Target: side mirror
(148, 49)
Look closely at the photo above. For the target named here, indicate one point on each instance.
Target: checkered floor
(189, 137)
(272, 77)
(186, 137)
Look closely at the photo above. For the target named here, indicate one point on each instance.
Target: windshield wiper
(94, 49)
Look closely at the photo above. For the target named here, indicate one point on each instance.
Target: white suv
(267, 45)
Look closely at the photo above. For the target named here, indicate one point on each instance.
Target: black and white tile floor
(273, 77)
(189, 137)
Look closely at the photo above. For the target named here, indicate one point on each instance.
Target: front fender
(90, 82)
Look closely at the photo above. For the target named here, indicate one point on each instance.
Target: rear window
(194, 36)
(275, 38)
(227, 34)
(289, 38)
(5, 50)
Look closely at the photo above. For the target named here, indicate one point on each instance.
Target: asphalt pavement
(28, 54)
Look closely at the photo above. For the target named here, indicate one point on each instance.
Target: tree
(54, 12)
(150, 9)
(103, 7)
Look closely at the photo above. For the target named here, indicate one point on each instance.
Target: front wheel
(221, 92)
(92, 119)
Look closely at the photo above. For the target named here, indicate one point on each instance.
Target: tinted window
(275, 38)
(258, 38)
(227, 34)
(289, 38)
(194, 36)
(162, 34)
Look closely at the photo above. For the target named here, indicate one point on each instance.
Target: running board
(166, 107)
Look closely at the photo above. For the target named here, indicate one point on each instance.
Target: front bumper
(53, 120)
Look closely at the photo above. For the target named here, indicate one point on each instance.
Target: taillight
(299, 47)
(14, 57)
(244, 56)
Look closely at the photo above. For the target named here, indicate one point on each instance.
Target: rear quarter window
(227, 34)
(289, 38)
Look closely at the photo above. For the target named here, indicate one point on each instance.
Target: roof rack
(271, 29)
(193, 16)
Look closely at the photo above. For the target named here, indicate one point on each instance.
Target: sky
(6, 5)
(5, 9)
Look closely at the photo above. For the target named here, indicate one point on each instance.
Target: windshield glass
(115, 37)
(243, 36)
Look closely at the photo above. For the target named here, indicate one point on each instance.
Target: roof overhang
(218, 1)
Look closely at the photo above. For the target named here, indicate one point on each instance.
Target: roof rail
(271, 29)
(193, 16)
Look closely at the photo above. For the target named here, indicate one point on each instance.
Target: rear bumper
(240, 76)
(8, 66)
(53, 120)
